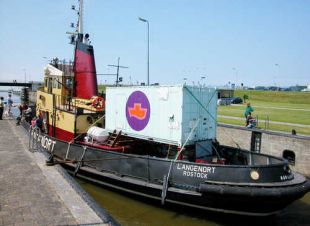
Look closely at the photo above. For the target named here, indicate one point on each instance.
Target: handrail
(32, 144)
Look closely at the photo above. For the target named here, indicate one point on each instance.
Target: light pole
(277, 74)
(236, 71)
(148, 49)
(202, 78)
(184, 81)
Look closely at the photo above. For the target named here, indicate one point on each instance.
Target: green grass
(231, 121)
(278, 115)
(295, 108)
(276, 97)
(101, 88)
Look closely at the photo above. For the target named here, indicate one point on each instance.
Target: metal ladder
(113, 138)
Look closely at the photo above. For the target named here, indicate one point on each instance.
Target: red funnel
(85, 71)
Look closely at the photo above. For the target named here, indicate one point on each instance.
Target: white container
(165, 114)
(98, 134)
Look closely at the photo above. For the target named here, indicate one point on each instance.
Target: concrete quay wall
(272, 143)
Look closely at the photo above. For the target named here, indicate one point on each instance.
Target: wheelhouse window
(59, 84)
(68, 83)
(50, 82)
(55, 83)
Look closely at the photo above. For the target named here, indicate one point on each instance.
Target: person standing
(10, 104)
(1, 107)
(248, 111)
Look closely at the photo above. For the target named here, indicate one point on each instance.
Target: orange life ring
(98, 103)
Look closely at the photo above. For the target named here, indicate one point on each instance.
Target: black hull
(254, 202)
(221, 188)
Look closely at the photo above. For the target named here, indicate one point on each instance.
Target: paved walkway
(32, 193)
(271, 122)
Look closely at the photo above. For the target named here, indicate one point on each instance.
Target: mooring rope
(166, 178)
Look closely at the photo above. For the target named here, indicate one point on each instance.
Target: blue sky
(266, 41)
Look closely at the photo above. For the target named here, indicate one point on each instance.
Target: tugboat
(157, 142)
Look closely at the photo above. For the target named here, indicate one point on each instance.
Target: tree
(245, 97)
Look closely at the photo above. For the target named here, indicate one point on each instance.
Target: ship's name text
(286, 177)
(45, 142)
(195, 171)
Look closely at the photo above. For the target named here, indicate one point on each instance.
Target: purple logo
(138, 110)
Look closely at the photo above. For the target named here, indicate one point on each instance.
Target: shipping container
(165, 114)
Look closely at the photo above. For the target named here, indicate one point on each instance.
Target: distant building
(273, 88)
(306, 89)
(225, 93)
(297, 88)
(260, 88)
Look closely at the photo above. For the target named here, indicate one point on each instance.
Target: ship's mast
(80, 21)
(78, 35)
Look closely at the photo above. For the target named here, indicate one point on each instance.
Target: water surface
(130, 211)
(16, 102)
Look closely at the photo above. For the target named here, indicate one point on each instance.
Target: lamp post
(148, 49)
(184, 81)
(202, 78)
(277, 74)
(236, 71)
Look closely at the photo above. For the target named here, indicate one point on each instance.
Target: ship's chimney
(85, 70)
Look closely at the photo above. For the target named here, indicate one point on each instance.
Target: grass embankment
(278, 106)
(276, 97)
(101, 88)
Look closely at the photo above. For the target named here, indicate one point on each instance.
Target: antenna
(118, 79)
(117, 72)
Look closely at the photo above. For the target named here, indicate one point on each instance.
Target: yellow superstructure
(65, 116)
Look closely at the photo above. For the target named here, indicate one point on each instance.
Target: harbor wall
(272, 143)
